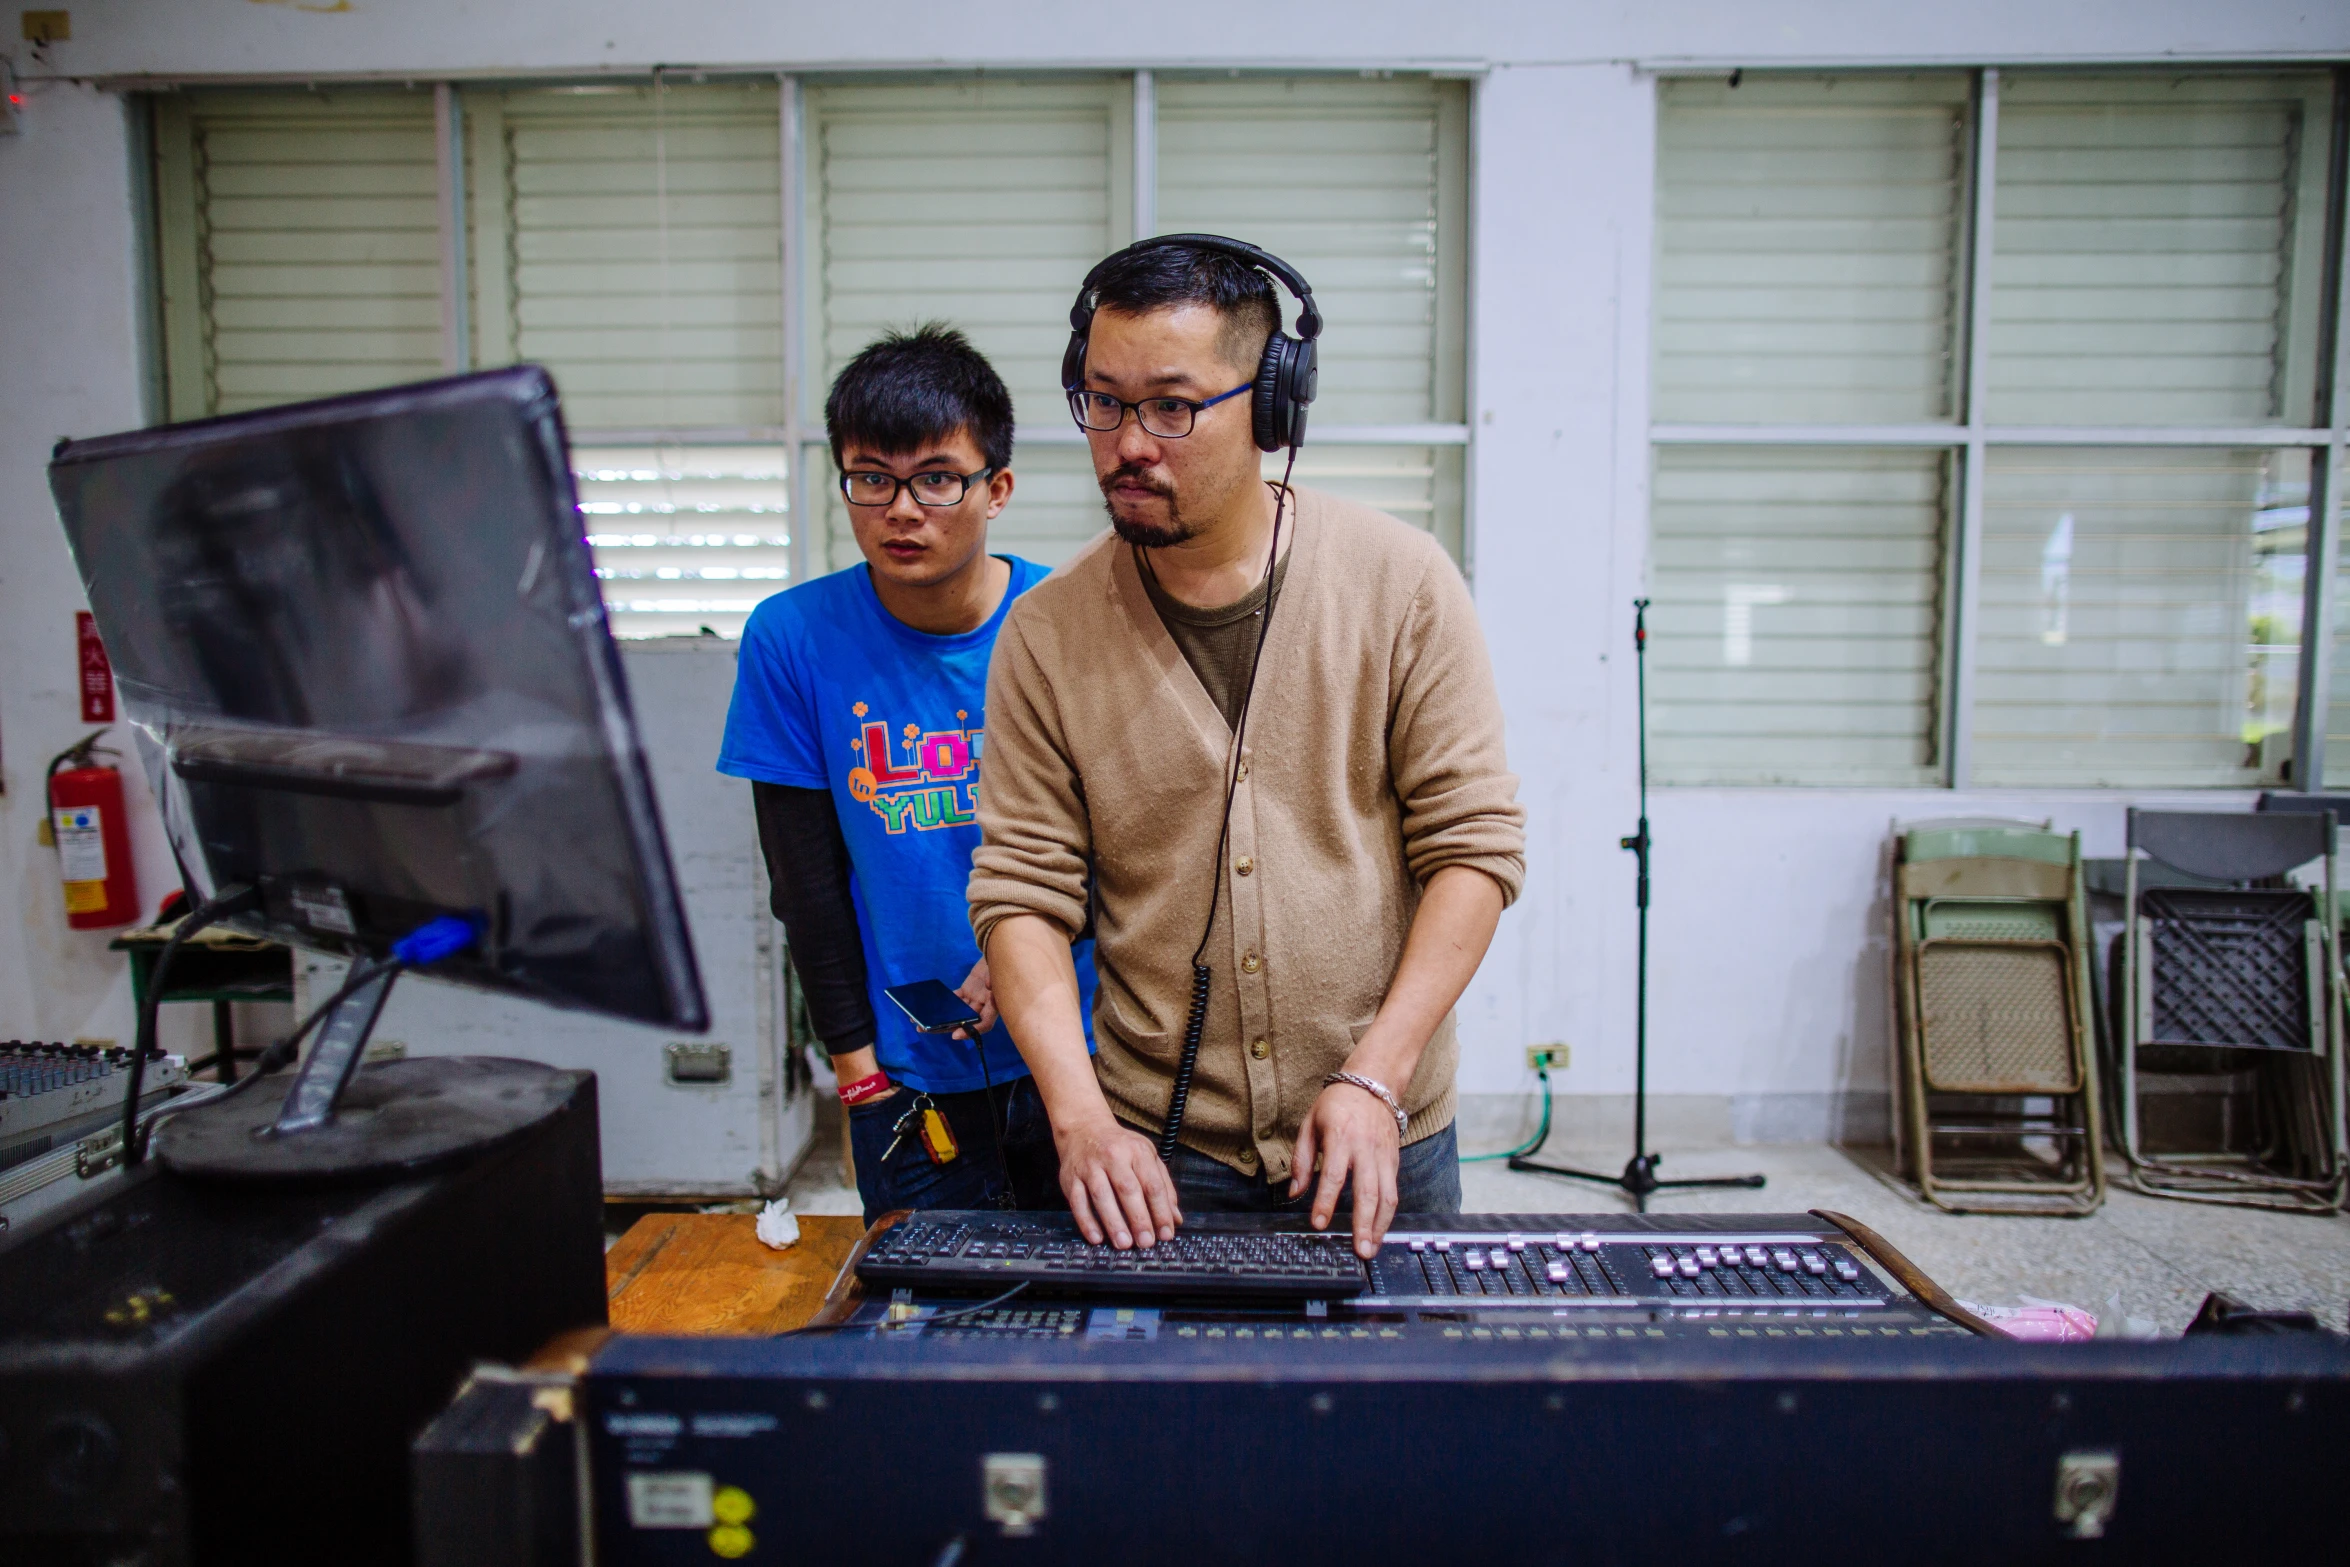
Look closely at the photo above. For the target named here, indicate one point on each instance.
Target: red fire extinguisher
(93, 835)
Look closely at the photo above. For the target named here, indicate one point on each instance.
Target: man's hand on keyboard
(1355, 1139)
(1115, 1183)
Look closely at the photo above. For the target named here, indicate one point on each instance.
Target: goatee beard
(1146, 535)
(1151, 535)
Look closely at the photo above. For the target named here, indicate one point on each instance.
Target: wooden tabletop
(709, 1273)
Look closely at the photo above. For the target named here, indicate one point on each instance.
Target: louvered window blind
(981, 204)
(1808, 238)
(630, 239)
(2156, 245)
(1809, 235)
(1795, 635)
(1362, 201)
(298, 245)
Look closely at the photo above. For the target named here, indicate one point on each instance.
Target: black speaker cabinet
(212, 1372)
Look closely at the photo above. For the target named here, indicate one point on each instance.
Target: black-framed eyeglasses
(1168, 418)
(930, 489)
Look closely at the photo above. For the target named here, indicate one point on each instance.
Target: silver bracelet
(1378, 1091)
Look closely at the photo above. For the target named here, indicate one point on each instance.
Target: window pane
(318, 245)
(645, 266)
(2140, 612)
(1795, 635)
(2158, 241)
(1028, 167)
(1350, 200)
(1808, 232)
(685, 537)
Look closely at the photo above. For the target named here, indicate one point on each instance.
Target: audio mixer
(49, 1093)
(1595, 1388)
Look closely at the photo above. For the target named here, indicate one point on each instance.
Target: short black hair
(907, 389)
(1165, 276)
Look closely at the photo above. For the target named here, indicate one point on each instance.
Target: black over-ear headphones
(1286, 375)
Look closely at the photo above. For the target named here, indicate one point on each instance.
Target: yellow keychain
(938, 1138)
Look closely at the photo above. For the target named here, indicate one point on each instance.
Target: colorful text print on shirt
(926, 778)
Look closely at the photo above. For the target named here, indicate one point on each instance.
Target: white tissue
(777, 1228)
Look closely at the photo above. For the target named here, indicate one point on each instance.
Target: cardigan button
(1248, 1156)
(1250, 963)
(1260, 1050)
(1245, 865)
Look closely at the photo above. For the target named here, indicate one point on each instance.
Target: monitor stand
(333, 1121)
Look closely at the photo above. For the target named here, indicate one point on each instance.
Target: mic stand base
(1639, 1178)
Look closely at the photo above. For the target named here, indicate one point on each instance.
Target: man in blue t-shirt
(858, 716)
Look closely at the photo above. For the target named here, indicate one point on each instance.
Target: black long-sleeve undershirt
(808, 890)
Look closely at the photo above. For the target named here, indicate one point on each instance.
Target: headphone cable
(1195, 1025)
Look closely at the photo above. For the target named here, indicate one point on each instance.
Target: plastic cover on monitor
(362, 647)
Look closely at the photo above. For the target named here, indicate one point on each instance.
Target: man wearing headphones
(1254, 728)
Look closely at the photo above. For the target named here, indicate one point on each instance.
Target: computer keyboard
(994, 1251)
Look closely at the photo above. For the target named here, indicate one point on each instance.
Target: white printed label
(669, 1501)
(81, 842)
(324, 908)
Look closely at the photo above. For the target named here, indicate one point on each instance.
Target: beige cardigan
(1374, 758)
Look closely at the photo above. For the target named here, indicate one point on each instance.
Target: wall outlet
(1546, 1058)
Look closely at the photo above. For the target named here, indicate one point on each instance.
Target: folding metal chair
(2238, 986)
(1999, 1089)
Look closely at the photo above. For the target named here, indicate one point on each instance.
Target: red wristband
(865, 1088)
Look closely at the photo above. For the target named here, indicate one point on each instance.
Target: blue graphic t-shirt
(832, 691)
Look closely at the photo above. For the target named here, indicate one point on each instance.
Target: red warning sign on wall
(97, 674)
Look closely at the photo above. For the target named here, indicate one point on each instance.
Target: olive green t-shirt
(1219, 644)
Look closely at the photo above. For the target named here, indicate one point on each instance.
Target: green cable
(1540, 1135)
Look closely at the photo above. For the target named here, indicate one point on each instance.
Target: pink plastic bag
(2039, 1321)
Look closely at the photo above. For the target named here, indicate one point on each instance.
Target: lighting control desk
(1593, 1390)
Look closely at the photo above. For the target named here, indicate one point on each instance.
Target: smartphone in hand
(933, 1006)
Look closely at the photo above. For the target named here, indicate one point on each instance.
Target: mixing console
(48, 1091)
(1796, 1263)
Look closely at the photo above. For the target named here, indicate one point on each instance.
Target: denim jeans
(1427, 1180)
(976, 1177)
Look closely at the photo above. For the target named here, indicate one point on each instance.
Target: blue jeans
(977, 1176)
(1427, 1180)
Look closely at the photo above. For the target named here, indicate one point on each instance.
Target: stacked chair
(1999, 1107)
(2233, 988)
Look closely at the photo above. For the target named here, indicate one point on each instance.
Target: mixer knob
(1475, 1261)
(1419, 1245)
(1688, 1266)
(1754, 1256)
(1517, 1244)
(1444, 1245)
(1663, 1267)
(1706, 1257)
(1590, 1240)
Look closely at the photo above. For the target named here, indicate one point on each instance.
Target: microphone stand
(1639, 1179)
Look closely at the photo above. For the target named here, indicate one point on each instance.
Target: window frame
(1971, 437)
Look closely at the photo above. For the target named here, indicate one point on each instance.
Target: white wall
(69, 365)
(1768, 951)
(199, 37)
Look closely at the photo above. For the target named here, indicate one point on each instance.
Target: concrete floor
(2160, 1257)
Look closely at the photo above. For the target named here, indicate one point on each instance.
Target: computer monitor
(362, 648)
